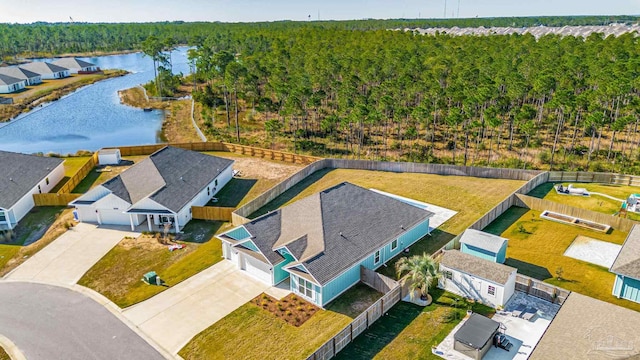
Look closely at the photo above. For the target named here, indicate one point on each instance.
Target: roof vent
(402, 227)
(181, 178)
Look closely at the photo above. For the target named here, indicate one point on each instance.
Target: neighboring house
(21, 176)
(160, 189)
(109, 157)
(47, 71)
(30, 77)
(320, 242)
(484, 245)
(9, 84)
(77, 66)
(485, 281)
(627, 268)
(475, 336)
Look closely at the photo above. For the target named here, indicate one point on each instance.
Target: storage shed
(475, 336)
(109, 157)
(484, 245)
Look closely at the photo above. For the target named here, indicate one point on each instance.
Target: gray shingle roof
(171, 177)
(18, 73)
(20, 173)
(354, 223)
(9, 80)
(472, 265)
(482, 240)
(72, 63)
(42, 68)
(627, 262)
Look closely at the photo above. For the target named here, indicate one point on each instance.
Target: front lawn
(253, 333)
(118, 274)
(536, 248)
(409, 331)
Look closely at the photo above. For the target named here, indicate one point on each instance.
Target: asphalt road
(48, 322)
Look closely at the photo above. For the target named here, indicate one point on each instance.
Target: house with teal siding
(319, 243)
(484, 245)
(627, 268)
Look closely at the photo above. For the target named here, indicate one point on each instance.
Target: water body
(92, 117)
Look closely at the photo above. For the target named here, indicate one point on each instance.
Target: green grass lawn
(409, 331)
(117, 275)
(536, 248)
(3, 354)
(594, 202)
(253, 333)
(71, 167)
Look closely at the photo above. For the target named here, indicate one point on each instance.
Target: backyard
(118, 274)
(101, 174)
(253, 333)
(537, 246)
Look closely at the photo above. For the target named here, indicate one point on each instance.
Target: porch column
(131, 221)
(149, 222)
(175, 216)
(6, 219)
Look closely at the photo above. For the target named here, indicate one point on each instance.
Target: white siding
(477, 288)
(111, 158)
(7, 89)
(26, 203)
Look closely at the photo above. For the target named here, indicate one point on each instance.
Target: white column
(131, 221)
(175, 216)
(149, 222)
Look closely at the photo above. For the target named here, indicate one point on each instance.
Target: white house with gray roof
(160, 189)
(10, 84)
(30, 77)
(627, 268)
(320, 242)
(77, 66)
(46, 70)
(21, 176)
(485, 281)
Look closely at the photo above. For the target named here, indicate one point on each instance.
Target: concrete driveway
(176, 315)
(49, 322)
(66, 259)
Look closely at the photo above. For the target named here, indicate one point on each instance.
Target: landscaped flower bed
(292, 308)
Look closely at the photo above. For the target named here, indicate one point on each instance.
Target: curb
(11, 349)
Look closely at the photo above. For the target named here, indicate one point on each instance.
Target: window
(3, 217)
(39, 189)
(305, 288)
(215, 182)
(491, 290)
(376, 257)
(47, 181)
(448, 275)
(208, 191)
(394, 244)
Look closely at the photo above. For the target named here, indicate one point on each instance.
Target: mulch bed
(292, 308)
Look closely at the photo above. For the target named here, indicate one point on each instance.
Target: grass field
(409, 331)
(117, 275)
(253, 333)
(594, 202)
(536, 248)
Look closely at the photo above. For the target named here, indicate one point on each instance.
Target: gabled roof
(627, 263)
(332, 230)
(18, 73)
(475, 266)
(171, 177)
(9, 80)
(477, 331)
(482, 240)
(42, 68)
(72, 63)
(20, 173)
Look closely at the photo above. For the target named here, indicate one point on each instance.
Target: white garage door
(257, 269)
(114, 217)
(87, 214)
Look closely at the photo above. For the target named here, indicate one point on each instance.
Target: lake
(92, 117)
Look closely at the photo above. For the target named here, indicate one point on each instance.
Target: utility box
(152, 278)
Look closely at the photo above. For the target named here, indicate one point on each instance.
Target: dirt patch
(360, 306)
(292, 309)
(254, 168)
(143, 242)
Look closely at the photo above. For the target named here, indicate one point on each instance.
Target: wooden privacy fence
(377, 281)
(212, 213)
(357, 326)
(539, 289)
(594, 177)
(79, 175)
(54, 199)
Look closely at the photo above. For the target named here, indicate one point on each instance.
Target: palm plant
(421, 270)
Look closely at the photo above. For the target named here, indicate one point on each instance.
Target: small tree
(421, 270)
(559, 272)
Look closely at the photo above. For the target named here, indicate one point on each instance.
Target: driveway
(48, 322)
(176, 315)
(66, 259)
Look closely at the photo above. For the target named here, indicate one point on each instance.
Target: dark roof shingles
(20, 173)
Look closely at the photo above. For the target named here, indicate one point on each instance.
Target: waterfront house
(627, 268)
(30, 77)
(21, 176)
(484, 245)
(9, 84)
(160, 190)
(77, 66)
(320, 242)
(46, 70)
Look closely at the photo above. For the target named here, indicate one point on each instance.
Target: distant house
(29, 76)
(321, 241)
(627, 268)
(485, 281)
(160, 189)
(21, 176)
(9, 84)
(47, 71)
(484, 245)
(475, 336)
(77, 66)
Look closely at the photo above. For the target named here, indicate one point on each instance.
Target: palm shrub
(421, 273)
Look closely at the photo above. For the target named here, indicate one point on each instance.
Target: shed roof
(627, 262)
(42, 68)
(477, 331)
(482, 240)
(472, 265)
(20, 173)
(108, 151)
(72, 63)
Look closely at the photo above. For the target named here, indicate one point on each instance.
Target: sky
(27, 11)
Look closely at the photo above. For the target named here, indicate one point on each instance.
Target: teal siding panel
(279, 274)
(631, 289)
(238, 233)
(477, 252)
(250, 245)
(416, 233)
(338, 285)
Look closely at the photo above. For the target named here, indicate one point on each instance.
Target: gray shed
(475, 337)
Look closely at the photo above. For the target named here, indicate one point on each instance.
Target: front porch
(157, 220)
